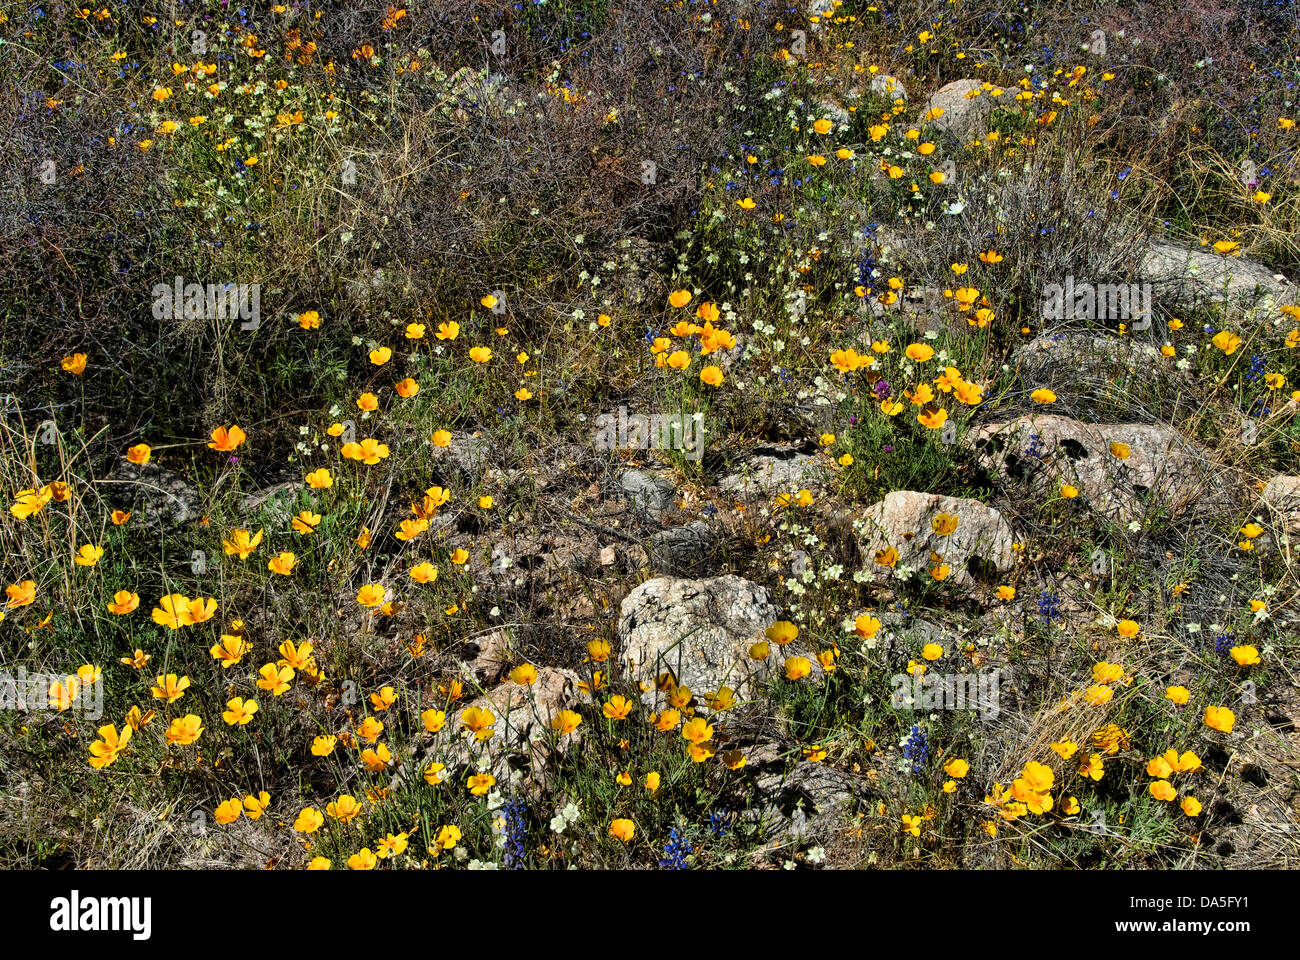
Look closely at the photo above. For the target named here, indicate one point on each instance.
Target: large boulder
(1164, 471)
(157, 498)
(1085, 355)
(1186, 277)
(684, 550)
(822, 10)
(648, 492)
(1096, 376)
(966, 107)
(522, 737)
(800, 802)
(524, 712)
(1281, 497)
(768, 471)
(979, 547)
(889, 87)
(698, 630)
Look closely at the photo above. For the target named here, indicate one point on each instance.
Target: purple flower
(882, 390)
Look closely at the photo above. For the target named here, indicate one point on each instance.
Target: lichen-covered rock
(1162, 470)
(965, 105)
(156, 498)
(522, 734)
(1099, 377)
(488, 655)
(771, 470)
(798, 801)
(648, 492)
(699, 630)
(1281, 497)
(1186, 277)
(887, 86)
(979, 546)
(682, 550)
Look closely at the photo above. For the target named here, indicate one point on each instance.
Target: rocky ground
(943, 581)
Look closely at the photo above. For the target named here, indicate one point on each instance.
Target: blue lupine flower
(676, 850)
(1048, 608)
(1256, 370)
(917, 748)
(516, 834)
